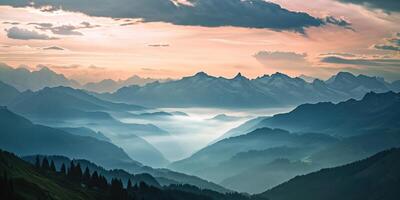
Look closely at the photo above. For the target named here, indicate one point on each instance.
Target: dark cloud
(362, 61)
(387, 5)
(209, 13)
(279, 55)
(393, 44)
(53, 48)
(387, 47)
(25, 34)
(338, 22)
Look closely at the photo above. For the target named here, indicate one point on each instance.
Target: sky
(92, 40)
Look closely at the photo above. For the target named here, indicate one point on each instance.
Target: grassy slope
(30, 183)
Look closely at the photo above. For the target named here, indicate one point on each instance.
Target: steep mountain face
(19, 135)
(266, 91)
(8, 93)
(374, 112)
(23, 79)
(211, 162)
(376, 177)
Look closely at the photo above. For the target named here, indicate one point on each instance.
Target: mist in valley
(194, 129)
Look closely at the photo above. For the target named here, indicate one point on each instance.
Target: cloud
(338, 22)
(279, 55)
(338, 54)
(65, 67)
(158, 45)
(96, 67)
(392, 44)
(53, 48)
(64, 29)
(387, 47)
(387, 5)
(362, 61)
(12, 23)
(282, 60)
(209, 13)
(25, 34)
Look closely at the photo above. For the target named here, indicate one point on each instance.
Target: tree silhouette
(52, 166)
(37, 162)
(45, 164)
(63, 170)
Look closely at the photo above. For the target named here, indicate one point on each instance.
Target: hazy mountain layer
(374, 112)
(23, 79)
(277, 90)
(22, 137)
(376, 177)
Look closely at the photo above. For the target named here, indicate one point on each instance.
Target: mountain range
(25, 138)
(109, 85)
(25, 79)
(327, 135)
(67, 107)
(276, 90)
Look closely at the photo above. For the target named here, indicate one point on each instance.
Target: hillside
(8, 93)
(373, 112)
(376, 177)
(22, 137)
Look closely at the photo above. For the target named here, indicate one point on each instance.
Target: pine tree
(129, 185)
(71, 170)
(86, 175)
(52, 166)
(37, 162)
(63, 169)
(45, 164)
(94, 180)
(78, 172)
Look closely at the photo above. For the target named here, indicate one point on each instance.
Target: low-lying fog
(191, 132)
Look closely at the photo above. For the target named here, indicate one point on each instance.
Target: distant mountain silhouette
(19, 135)
(373, 112)
(376, 177)
(8, 93)
(23, 79)
(109, 85)
(266, 91)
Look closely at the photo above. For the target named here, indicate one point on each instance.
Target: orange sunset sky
(89, 46)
